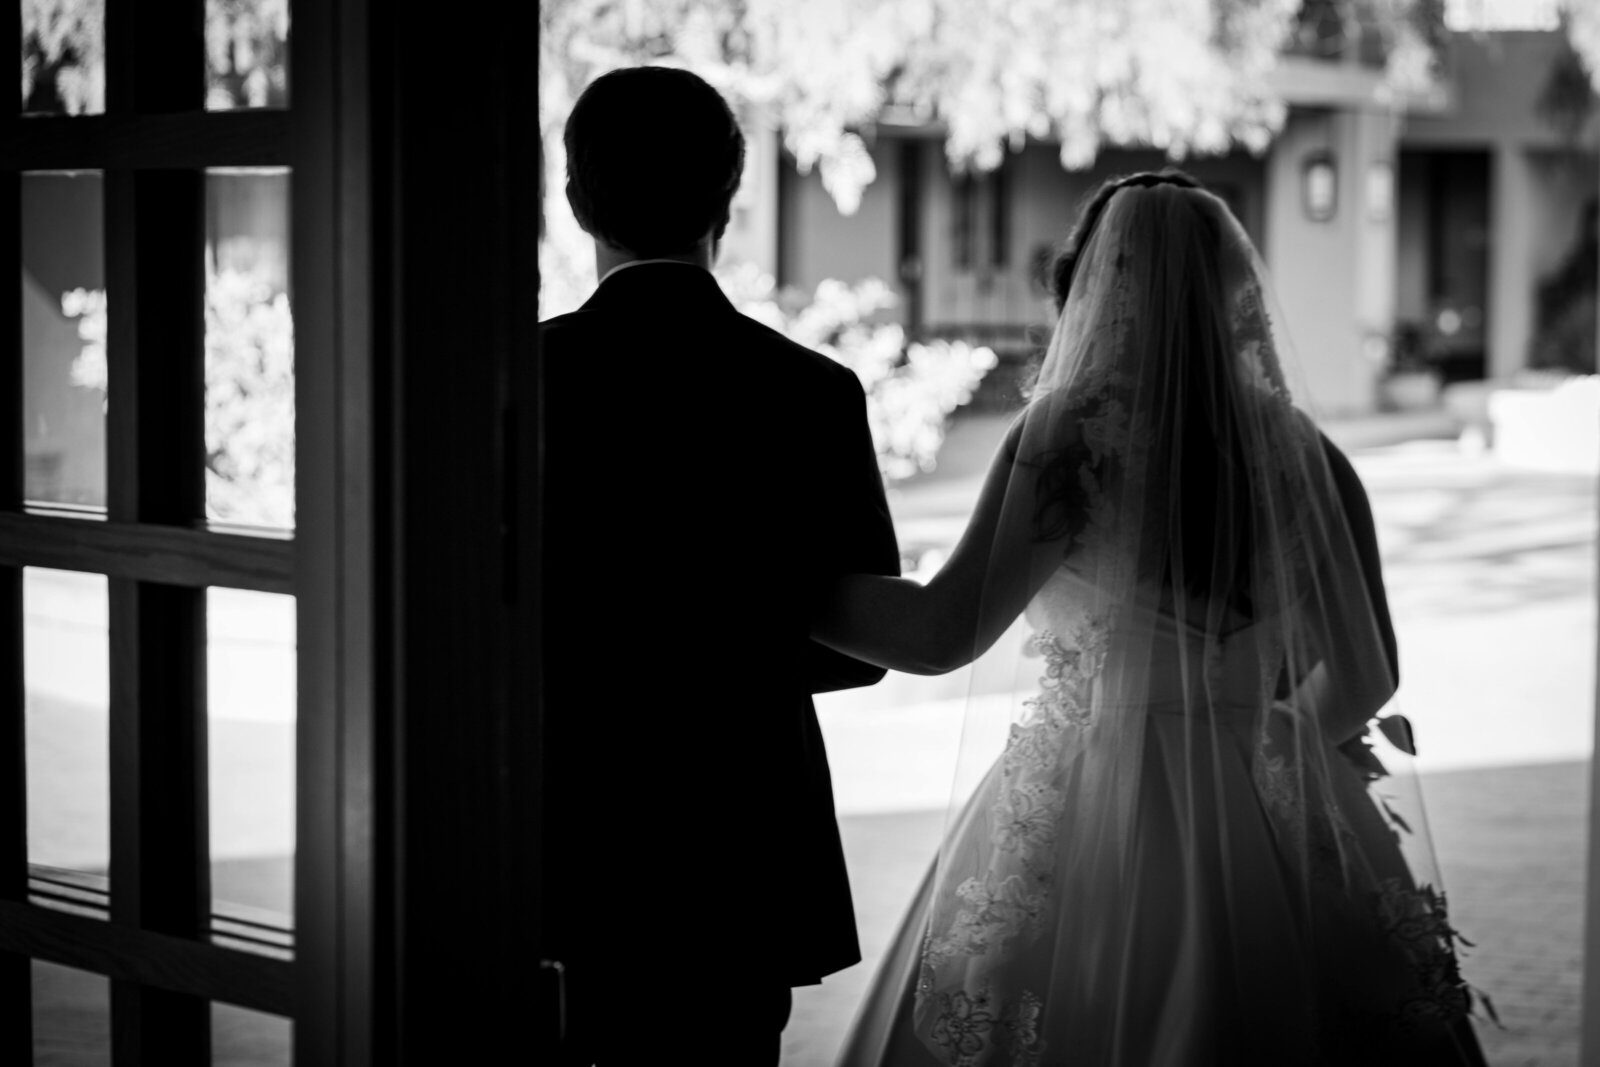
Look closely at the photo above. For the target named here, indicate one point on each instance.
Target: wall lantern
(1319, 187)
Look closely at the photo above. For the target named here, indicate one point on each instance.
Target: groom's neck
(608, 257)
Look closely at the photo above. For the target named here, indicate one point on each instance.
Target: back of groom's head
(654, 156)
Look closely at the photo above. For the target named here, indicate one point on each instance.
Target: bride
(1186, 847)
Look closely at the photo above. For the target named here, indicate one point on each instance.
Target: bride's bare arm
(906, 626)
(1353, 496)
(1355, 683)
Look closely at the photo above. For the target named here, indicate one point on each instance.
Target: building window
(1000, 216)
(964, 217)
(981, 221)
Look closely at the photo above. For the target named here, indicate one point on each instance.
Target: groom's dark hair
(654, 156)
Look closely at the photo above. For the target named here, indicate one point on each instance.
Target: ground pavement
(1490, 571)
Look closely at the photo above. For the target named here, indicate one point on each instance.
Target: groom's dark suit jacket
(704, 478)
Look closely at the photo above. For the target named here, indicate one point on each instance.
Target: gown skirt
(1371, 983)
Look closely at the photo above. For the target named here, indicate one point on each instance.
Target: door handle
(553, 980)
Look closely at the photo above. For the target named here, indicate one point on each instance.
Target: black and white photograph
(801, 533)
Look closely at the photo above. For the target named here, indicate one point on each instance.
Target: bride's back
(1187, 515)
(1173, 860)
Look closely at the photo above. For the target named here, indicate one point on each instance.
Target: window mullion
(160, 867)
(159, 860)
(155, 278)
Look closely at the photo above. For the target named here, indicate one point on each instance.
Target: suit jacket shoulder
(806, 364)
(685, 307)
(567, 328)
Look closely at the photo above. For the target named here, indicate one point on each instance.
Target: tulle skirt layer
(1242, 922)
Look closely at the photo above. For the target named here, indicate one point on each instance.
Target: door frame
(418, 214)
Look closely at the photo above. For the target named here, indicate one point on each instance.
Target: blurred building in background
(1415, 240)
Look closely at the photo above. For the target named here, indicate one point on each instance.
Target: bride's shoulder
(1045, 425)
(1290, 431)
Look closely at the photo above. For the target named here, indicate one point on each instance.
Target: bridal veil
(1185, 828)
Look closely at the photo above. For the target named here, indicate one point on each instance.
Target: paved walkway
(1491, 575)
(1510, 840)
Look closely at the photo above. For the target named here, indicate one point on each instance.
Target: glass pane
(249, 349)
(64, 338)
(250, 671)
(63, 57)
(247, 52)
(71, 1017)
(244, 1038)
(66, 660)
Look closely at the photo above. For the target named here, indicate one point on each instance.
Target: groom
(704, 478)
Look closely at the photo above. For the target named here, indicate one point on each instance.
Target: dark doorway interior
(1450, 190)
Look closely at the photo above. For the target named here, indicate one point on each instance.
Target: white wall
(1335, 280)
(752, 234)
(820, 243)
(1512, 211)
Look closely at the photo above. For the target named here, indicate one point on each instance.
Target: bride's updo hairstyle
(1189, 259)
(1066, 260)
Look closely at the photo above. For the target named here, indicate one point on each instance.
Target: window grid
(152, 144)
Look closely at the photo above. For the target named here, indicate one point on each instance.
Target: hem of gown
(883, 1031)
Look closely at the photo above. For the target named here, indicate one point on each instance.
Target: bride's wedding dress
(1193, 948)
(1201, 844)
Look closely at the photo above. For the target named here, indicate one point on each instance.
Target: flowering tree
(249, 401)
(910, 389)
(64, 50)
(247, 44)
(249, 404)
(64, 56)
(249, 427)
(1182, 75)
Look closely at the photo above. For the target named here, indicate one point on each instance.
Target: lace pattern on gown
(1013, 895)
(1314, 835)
(970, 1025)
